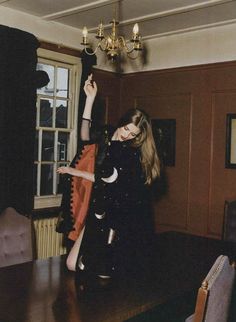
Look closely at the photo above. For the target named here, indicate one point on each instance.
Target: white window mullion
(40, 135)
(38, 178)
(38, 111)
(55, 162)
(40, 145)
(54, 97)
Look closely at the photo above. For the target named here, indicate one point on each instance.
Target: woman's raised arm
(90, 88)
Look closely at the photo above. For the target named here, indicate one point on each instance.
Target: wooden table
(45, 291)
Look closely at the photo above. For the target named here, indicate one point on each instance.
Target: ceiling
(156, 18)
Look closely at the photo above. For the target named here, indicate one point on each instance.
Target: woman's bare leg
(73, 254)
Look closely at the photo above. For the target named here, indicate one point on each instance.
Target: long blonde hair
(149, 156)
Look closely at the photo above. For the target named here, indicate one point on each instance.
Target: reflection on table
(45, 291)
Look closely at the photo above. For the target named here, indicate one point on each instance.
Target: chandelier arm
(128, 49)
(96, 49)
(113, 44)
(133, 57)
(103, 44)
(90, 53)
(121, 40)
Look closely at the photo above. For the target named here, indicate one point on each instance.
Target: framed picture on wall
(164, 132)
(230, 157)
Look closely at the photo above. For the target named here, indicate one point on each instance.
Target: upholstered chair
(16, 238)
(214, 295)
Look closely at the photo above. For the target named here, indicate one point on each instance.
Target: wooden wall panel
(176, 107)
(175, 94)
(198, 97)
(199, 157)
(223, 180)
(109, 92)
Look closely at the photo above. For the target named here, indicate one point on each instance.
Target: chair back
(229, 227)
(214, 296)
(16, 243)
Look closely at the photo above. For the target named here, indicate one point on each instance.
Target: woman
(118, 226)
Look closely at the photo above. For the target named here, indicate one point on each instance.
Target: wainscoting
(199, 99)
(48, 242)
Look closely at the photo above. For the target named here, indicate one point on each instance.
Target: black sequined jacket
(119, 190)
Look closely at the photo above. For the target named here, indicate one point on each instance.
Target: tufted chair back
(214, 296)
(16, 243)
(229, 231)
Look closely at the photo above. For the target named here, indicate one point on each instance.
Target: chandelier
(113, 44)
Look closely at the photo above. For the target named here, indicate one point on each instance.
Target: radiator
(48, 242)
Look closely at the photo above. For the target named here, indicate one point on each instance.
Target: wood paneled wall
(109, 93)
(198, 98)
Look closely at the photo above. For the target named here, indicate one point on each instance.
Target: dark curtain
(87, 64)
(18, 82)
(65, 222)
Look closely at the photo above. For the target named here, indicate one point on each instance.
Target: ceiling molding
(166, 22)
(101, 3)
(166, 13)
(78, 9)
(190, 29)
(60, 48)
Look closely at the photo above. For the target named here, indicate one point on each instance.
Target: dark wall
(108, 95)
(198, 98)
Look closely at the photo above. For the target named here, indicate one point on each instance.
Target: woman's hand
(64, 170)
(90, 87)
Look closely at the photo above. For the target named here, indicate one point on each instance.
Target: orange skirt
(81, 190)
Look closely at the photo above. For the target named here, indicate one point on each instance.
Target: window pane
(49, 88)
(62, 82)
(46, 186)
(63, 140)
(46, 110)
(61, 113)
(47, 146)
(53, 130)
(36, 143)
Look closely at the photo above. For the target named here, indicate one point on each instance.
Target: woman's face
(127, 132)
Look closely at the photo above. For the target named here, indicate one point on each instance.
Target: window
(55, 143)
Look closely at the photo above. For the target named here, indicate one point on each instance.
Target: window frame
(47, 56)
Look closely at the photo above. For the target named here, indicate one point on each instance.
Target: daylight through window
(55, 130)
